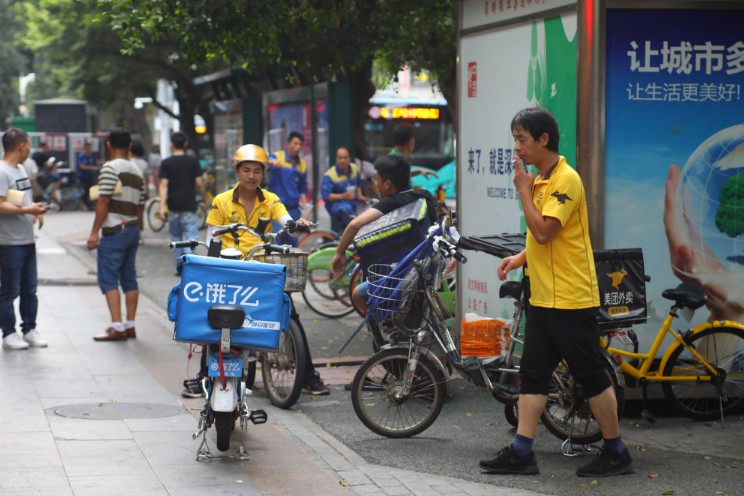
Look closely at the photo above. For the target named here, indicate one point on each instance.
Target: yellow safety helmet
(250, 153)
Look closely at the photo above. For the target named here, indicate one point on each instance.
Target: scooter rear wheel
(224, 423)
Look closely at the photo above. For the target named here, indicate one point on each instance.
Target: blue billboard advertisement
(675, 151)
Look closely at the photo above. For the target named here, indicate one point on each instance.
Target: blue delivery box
(257, 287)
(391, 237)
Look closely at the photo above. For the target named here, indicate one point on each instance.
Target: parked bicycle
(157, 222)
(317, 238)
(67, 193)
(399, 391)
(326, 295)
(702, 369)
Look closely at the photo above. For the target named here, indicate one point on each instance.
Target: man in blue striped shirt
(119, 218)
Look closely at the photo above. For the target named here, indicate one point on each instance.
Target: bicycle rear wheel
(152, 214)
(284, 371)
(70, 198)
(567, 413)
(380, 378)
(326, 295)
(723, 348)
(511, 412)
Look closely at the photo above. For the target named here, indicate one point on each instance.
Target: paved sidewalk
(88, 418)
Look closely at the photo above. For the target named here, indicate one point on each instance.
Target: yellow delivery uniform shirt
(227, 209)
(562, 273)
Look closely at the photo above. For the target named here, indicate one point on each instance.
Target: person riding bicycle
(341, 188)
(245, 204)
(564, 297)
(393, 181)
(46, 178)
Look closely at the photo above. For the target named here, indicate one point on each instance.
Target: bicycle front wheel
(723, 348)
(567, 413)
(375, 394)
(356, 279)
(201, 214)
(152, 214)
(284, 371)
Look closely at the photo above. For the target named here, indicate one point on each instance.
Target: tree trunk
(362, 89)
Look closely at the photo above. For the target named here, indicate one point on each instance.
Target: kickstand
(568, 448)
(646, 414)
(242, 451)
(203, 452)
(720, 405)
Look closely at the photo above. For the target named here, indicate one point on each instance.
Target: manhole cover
(115, 411)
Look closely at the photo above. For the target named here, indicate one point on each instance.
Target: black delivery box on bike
(622, 287)
(257, 287)
(389, 238)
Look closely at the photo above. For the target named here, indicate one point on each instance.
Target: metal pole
(590, 119)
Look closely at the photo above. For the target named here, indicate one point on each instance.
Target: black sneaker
(606, 464)
(507, 462)
(192, 388)
(315, 385)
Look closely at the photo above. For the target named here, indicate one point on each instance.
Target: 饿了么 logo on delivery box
(229, 294)
(221, 294)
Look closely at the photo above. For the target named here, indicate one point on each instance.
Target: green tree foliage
(730, 213)
(75, 57)
(12, 62)
(298, 42)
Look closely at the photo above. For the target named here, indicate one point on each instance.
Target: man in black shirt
(393, 182)
(180, 176)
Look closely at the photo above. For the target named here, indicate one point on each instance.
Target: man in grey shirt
(18, 214)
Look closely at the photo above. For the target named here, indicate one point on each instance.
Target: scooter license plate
(233, 367)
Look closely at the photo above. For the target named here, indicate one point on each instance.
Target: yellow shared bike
(702, 369)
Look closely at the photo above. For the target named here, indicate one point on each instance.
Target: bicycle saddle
(510, 288)
(686, 294)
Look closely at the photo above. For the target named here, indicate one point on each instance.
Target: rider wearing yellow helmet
(247, 201)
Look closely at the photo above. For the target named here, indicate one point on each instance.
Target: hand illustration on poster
(704, 221)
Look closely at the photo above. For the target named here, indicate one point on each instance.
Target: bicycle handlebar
(290, 227)
(269, 249)
(447, 249)
(229, 228)
(192, 243)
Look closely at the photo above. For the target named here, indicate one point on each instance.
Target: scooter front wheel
(284, 371)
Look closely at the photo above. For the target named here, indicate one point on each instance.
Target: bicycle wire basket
(389, 297)
(296, 263)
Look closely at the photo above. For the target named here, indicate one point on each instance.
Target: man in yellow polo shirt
(561, 317)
